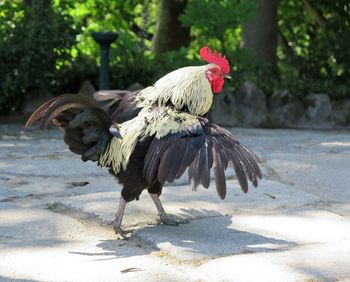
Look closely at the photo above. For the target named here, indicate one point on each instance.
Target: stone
(341, 112)
(224, 111)
(251, 103)
(284, 110)
(318, 109)
(86, 89)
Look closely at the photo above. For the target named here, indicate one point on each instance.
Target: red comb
(215, 58)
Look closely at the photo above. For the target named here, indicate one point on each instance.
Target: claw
(116, 223)
(119, 231)
(163, 216)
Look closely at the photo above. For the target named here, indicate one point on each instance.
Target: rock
(251, 103)
(341, 112)
(224, 110)
(284, 110)
(86, 89)
(318, 109)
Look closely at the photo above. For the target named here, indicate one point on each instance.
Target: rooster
(152, 136)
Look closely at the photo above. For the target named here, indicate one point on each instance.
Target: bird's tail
(119, 104)
(87, 128)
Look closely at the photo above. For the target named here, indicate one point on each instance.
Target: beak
(227, 76)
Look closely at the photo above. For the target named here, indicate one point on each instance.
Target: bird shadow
(208, 234)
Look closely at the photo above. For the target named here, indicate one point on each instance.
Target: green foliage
(35, 43)
(218, 25)
(217, 22)
(47, 47)
(133, 20)
(315, 55)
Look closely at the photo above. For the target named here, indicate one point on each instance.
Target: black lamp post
(105, 39)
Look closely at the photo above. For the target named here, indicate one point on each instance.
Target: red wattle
(216, 84)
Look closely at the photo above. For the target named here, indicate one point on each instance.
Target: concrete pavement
(55, 212)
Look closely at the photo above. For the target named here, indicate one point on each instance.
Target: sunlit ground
(294, 227)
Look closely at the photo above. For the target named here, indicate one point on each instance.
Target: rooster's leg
(164, 218)
(116, 223)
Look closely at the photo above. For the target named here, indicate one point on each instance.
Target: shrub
(34, 47)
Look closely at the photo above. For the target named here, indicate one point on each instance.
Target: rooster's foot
(119, 231)
(116, 223)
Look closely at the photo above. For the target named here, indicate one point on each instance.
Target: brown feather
(39, 112)
(65, 101)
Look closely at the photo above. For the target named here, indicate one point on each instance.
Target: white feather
(186, 86)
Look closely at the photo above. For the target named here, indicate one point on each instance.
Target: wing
(121, 104)
(200, 147)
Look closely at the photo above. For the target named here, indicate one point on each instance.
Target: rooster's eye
(213, 73)
(215, 70)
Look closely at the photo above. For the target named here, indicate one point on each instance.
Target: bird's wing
(121, 104)
(199, 147)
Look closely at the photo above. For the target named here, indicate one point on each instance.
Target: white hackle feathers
(186, 86)
(119, 150)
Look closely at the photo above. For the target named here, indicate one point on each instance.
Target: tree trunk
(170, 34)
(261, 35)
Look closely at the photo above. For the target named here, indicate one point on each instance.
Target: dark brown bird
(152, 136)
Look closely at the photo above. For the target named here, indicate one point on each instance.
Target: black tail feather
(85, 124)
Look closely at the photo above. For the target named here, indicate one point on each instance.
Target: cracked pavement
(55, 212)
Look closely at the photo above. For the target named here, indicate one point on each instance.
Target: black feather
(199, 148)
(187, 157)
(220, 180)
(205, 172)
(164, 166)
(247, 165)
(240, 174)
(85, 124)
(178, 148)
(252, 158)
(74, 134)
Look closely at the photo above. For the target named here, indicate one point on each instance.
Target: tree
(260, 35)
(170, 33)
